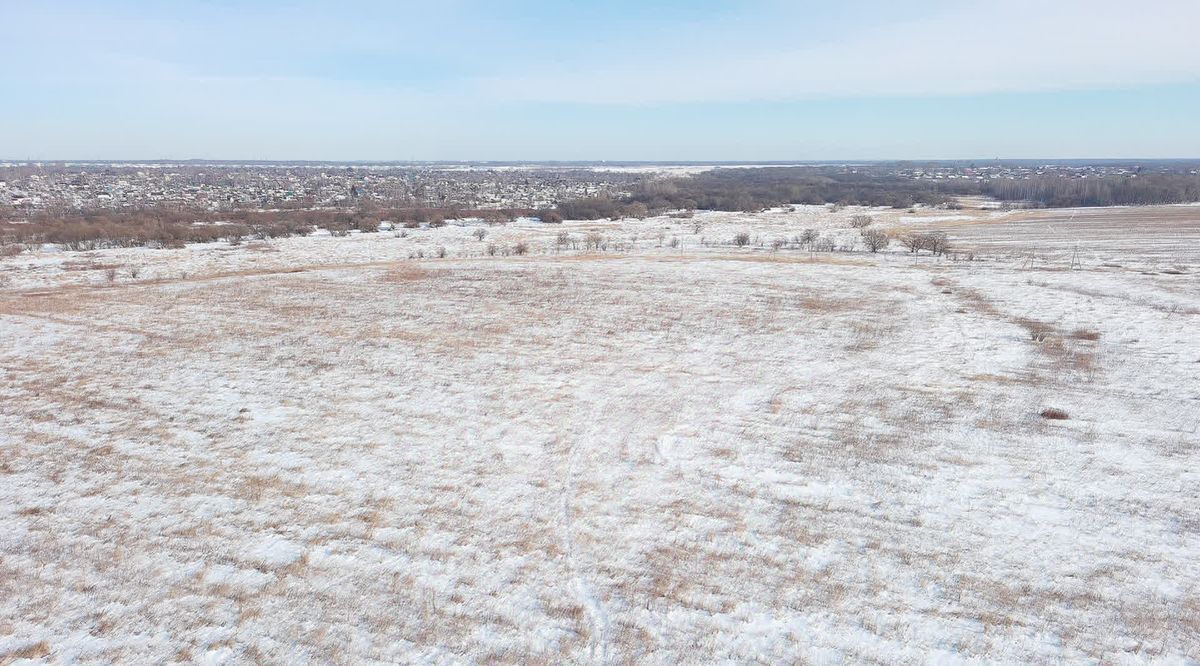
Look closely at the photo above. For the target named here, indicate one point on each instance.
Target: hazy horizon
(612, 162)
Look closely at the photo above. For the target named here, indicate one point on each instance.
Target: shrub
(741, 239)
(550, 216)
(860, 221)
(1055, 414)
(914, 242)
(441, 252)
(875, 239)
(521, 248)
(491, 249)
(479, 233)
(1038, 331)
(937, 242)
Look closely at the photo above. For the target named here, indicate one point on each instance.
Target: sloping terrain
(322, 450)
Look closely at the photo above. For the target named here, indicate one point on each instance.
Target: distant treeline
(1059, 191)
(758, 189)
(719, 189)
(172, 228)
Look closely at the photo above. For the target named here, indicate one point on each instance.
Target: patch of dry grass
(31, 651)
(406, 272)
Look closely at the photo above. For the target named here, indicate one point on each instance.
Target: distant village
(30, 188)
(33, 188)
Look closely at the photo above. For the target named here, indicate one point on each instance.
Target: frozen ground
(320, 450)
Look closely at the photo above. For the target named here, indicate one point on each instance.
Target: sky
(619, 80)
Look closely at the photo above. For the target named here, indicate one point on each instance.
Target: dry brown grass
(31, 651)
(406, 272)
(818, 302)
(1039, 331)
(87, 266)
(258, 488)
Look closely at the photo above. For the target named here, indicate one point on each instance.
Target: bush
(875, 239)
(593, 241)
(741, 239)
(550, 217)
(479, 233)
(934, 241)
(937, 242)
(860, 221)
(1055, 414)
(521, 248)
(914, 242)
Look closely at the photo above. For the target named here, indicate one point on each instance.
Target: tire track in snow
(582, 590)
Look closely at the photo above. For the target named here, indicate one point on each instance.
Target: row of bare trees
(162, 227)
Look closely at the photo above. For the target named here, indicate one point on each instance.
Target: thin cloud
(982, 48)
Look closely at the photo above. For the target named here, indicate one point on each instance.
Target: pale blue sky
(622, 80)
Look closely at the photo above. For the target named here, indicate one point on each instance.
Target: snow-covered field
(672, 450)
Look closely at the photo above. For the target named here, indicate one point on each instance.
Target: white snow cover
(321, 450)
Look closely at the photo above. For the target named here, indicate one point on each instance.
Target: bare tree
(875, 239)
(937, 243)
(860, 221)
(914, 242)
